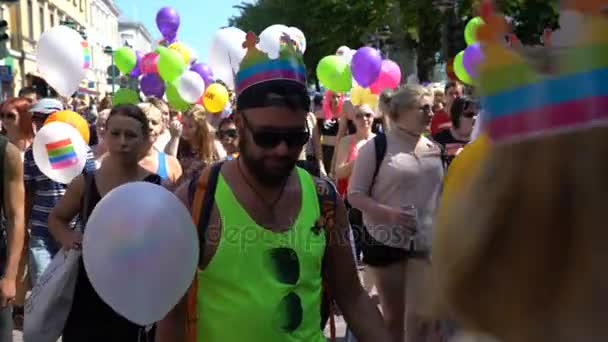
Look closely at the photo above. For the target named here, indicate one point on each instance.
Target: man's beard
(269, 177)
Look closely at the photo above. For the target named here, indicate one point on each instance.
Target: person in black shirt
(463, 114)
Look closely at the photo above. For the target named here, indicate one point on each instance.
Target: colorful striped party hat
(519, 103)
(256, 67)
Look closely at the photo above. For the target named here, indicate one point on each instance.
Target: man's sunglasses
(227, 133)
(267, 139)
(469, 115)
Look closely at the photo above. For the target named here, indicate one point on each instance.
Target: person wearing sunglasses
(398, 195)
(229, 137)
(463, 113)
(264, 246)
(16, 121)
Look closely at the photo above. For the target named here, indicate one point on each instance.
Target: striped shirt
(47, 192)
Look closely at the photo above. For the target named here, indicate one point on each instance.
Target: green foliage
(416, 24)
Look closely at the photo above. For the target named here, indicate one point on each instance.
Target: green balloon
(470, 31)
(460, 71)
(125, 96)
(174, 99)
(171, 64)
(334, 73)
(125, 59)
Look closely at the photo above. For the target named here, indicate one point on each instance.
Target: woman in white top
(398, 205)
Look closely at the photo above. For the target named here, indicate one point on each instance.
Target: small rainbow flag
(62, 154)
(87, 54)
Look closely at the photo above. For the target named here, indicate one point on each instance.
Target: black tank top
(90, 318)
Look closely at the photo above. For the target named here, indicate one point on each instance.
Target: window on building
(52, 17)
(82, 5)
(41, 16)
(30, 15)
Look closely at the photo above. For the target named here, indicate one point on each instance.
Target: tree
(529, 18)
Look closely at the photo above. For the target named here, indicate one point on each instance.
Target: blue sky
(199, 19)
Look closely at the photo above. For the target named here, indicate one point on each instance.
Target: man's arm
(14, 193)
(359, 311)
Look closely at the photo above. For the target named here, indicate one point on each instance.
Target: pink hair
(327, 112)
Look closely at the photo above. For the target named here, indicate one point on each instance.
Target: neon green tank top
(262, 285)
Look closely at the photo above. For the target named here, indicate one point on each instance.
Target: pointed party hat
(256, 67)
(519, 103)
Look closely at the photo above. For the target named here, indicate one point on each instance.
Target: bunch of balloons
(171, 70)
(466, 62)
(364, 71)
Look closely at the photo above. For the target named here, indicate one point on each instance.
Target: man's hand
(8, 290)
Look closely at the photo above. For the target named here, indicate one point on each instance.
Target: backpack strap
(328, 197)
(380, 149)
(208, 201)
(201, 192)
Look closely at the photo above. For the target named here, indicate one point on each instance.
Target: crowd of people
(389, 199)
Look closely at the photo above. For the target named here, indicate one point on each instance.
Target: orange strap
(191, 296)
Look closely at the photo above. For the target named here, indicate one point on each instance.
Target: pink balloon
(149, 63)
(389, 78)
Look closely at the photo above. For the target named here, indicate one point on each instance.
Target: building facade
(135, 35)
(28, 19)
(102, 32)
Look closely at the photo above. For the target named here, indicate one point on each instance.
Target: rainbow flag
(61, 154)
(87, 54)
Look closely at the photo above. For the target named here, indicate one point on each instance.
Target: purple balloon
(136, 72)
(473, 55)
(205, 71)
(167, 21)
(152, 85)
(366, 66)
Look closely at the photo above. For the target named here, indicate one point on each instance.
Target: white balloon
(226, 53)
(60, 58)
(346, 53)
(190, 86)
(298, 36)
(140, 251)
(60, 152)
(270, 39)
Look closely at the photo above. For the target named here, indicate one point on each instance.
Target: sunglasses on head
(469, 115)
(364, 115)
(227, 133)
(270, 138)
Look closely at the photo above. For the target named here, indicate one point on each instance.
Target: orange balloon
(74, 119)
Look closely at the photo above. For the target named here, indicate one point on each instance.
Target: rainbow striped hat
(520, 104)
(257, 67)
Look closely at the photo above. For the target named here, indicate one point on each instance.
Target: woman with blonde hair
(198, 146)
(156, 161)
(398, 193)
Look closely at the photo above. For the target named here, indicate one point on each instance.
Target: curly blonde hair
(205, 136)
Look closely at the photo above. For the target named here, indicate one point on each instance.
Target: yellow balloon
(463, 169)
(360, 96)
(215, 98)
(182, 49)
